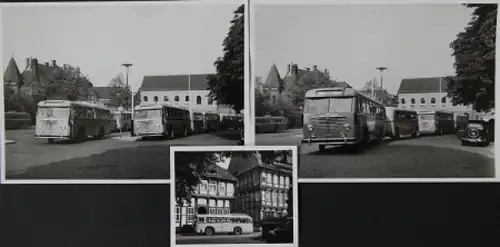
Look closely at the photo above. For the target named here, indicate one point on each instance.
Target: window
(280, 199)
(263, 178)
(145, 98)
(433, 100)
(190, 213)
(275, 180)
(287, 182)
(268, 197)
(177, 214)
(263, 196)
(412, 101)
(204, 186)
(229, 189)
(403, 101)
(269, 179)
(198, 100)
(282, 181)
(165, 98)
(255, 178)
(212, 188)
(176, 98)
(275, 198)
(212, 210)
(186, 98)
(155, 98)
(227, 211)
(422, 101)
(222, 189)
(210, 101)
(274, 99)
(220, 211)
(443, 100)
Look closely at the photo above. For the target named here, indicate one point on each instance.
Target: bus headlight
(63, 127)
(310, 127)
(347, 127)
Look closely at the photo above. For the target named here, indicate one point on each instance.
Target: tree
(67, 83)
(296, 91)
(190, 167)
(12, 100)
(122, 95)
(227, 85)
(474, 52)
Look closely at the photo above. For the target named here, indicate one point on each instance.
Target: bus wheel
(322, 148)
(237, 230)
(209, 231)
(50, 140)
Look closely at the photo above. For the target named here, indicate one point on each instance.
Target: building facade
(214, 195)
(262, 189)
(188, 91)
(423, 94)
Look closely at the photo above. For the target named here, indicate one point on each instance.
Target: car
(282, 233)
(475, 133)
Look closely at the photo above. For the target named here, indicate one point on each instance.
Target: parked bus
(269, 124)
(17, 120)
(436, 122)
(123, 121)
(161, 121)
(196, 122)
(231, 121)
(402, 122)
(72, 120)
(210, 224)
(342, 116)
(211, 122)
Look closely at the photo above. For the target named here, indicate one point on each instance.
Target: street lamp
(381, 69)
(127, 67)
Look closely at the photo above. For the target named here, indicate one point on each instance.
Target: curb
(7, 142)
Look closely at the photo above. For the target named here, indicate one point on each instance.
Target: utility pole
(381, 69)
(127, 68)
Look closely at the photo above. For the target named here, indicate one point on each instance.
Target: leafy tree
(474, 52)
(12, 100)
(122, 95)
(296, 91)
(191, 166)
(67, 83)
(227, 85)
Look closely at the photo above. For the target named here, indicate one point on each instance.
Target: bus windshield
(427, 117)
(143, 114)
(53, 112)
(329, 105)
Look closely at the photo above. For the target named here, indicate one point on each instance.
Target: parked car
(282, 233)
(475, 133)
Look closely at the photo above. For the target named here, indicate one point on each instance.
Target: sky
(157, 39)
(351, 41)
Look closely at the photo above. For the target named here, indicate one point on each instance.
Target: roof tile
(174, 82)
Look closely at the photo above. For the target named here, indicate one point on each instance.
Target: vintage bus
(342, 116)
(123, 120)
(269, 124)
(161, 121)
(196, 122)
(231, 121)
(436, 122)
(72, 120)
(211, 121)
(402, 122)
(17, 120)
(210, 224)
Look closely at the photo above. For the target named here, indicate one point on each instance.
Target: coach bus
(436, 122)
(17, 120)
(402, 122)
(231, 121)
(196, 122)
(161, 121)
(72, 120)
(269, 124)
(211, 122)
(210, 224)
(342, 116)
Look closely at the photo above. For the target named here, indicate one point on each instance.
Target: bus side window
(201, 219)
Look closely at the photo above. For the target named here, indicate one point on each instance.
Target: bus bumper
(149, 134)
(330, 141)
(62, 137)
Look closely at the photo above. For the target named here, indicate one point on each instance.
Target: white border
(262, 3)
(3, 178)
(249, 111)
(236, 148)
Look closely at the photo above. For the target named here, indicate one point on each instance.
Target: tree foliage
(12, 100)
(227, 85)
(296, 91)
(190, 167)
(122, 95)
(474, 52)
(67, 83)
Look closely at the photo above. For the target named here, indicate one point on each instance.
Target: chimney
(326, 72)
(288, 68)
(28, 62)
(54, 64)
(315, 67)
(47, 63)
(308, 69)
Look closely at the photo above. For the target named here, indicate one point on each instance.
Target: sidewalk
(125, 136)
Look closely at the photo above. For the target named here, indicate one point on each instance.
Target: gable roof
(106, 92)
(239, 165)
(174, 82)
(423, 85)
(273, 79)
(12, 73)
(220, 173)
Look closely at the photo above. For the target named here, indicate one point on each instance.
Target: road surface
(254, 238)
(112, 158)
(423, 157)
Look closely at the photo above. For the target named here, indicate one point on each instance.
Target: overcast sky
(352, 40)
(156, 39)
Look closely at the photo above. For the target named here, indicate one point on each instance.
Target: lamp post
(381, 69)
(127, 68)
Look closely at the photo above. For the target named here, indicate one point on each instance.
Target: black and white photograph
(234, 195)
(377, 91)
(103, 90)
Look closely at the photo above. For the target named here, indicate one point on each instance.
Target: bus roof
(158, 106)
(433, 112)
(225, 215)
(68, 103)
(339, 92)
